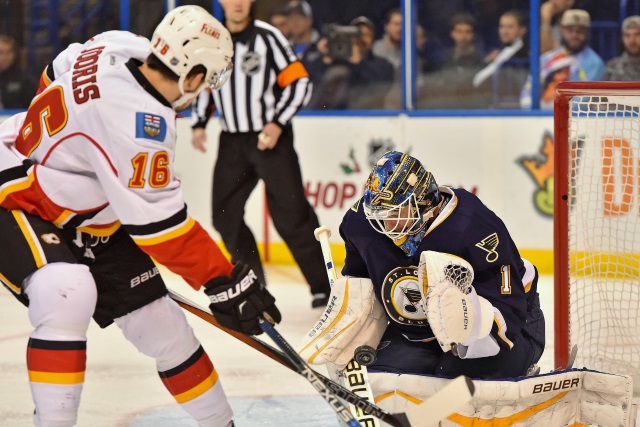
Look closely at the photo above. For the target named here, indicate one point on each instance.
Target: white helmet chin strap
(186, 96)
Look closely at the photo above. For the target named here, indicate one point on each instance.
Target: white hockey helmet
(189, 36)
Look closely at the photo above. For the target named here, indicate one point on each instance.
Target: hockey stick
(310, 375)
(195, 309)
(457, 393)
(358, 379)
(285, 360)
(427, 414)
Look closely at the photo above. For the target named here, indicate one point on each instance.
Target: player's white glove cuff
(482, 317)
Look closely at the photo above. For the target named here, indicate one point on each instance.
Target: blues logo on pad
(150, 126)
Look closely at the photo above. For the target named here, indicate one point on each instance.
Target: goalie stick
(357, 379)
(444, 403)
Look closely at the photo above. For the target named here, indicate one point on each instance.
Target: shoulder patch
(355, 206)
(489, 244)
(150, 126)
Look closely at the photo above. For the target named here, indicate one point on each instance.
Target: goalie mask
(190, 36)
(399, 199)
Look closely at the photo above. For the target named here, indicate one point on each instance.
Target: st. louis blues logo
(150, 126)
(402, 297)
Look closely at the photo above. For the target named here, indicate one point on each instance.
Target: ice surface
(122, 388)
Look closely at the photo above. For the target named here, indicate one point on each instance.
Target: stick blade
(442, 404)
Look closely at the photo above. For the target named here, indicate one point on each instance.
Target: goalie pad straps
(563, 398)
(353, 317)
(454, 310)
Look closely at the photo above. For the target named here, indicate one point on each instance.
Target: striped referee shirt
(268, 83)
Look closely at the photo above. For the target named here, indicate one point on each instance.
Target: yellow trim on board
(279, 254)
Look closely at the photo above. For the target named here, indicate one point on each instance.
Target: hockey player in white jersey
(89, 196)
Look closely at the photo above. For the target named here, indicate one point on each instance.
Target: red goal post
(597, 225)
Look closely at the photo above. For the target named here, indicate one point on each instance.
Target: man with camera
(345, 72)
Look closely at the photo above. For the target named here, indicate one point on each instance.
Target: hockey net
(597, 226)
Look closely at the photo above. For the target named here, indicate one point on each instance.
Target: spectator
(551, 12)
(280, 19)
(508, 66)
(451, 86)
(511, 31)
(265, 91)
(17, 89)
(358, 82)
(585, 65)
(303, 35)
(463, 55)
(425, 51)
(557, 70)
(626, 67)
(389, 48)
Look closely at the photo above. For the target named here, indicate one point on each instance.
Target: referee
(266, 89)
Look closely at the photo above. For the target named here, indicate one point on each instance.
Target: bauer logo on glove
(231, 293)
(240, 300)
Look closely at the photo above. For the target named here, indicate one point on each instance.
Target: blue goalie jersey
(465, 227)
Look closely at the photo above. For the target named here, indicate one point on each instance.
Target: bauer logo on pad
(150, 126)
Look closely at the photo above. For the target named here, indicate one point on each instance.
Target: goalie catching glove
(454, 310)
(238, 301)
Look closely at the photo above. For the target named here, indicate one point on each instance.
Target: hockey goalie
(434, 282)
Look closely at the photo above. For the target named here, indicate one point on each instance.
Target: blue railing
(48, 20)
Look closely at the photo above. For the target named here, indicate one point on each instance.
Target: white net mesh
(459, 275)
(604, 232)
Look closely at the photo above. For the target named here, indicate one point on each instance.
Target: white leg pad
(62, 299)
(160, 330)
(574, 397)
(353, 318)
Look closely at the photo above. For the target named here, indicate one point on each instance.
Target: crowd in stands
(464, 68)
(16, 87)
(469, 54)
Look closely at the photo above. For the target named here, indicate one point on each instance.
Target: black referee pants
(238, 168)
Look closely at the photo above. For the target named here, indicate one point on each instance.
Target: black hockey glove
(238, 301)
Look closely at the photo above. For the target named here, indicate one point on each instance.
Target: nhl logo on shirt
(250, 63)
(150, 126)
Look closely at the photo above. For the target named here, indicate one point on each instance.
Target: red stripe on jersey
(44, 82)
(190, 377)
(34, 201)
(93, 141)
(193, 255)
(57, 361)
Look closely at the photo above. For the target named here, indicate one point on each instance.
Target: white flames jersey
(102, 142)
